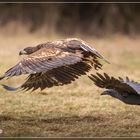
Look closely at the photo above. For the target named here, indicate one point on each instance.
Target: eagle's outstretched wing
(120, 85)
(56, 77)
(131, 83)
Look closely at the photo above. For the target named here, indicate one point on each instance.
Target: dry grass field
(75, 110)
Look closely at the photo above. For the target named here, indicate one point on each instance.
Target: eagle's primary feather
(55, 63)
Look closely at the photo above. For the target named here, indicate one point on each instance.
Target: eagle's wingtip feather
(9, 88)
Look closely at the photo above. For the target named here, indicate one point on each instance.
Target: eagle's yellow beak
(22, 52)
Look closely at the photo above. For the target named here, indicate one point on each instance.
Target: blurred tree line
(84, 18)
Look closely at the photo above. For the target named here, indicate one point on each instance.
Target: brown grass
(75, 110)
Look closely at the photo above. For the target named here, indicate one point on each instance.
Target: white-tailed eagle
(54, 63)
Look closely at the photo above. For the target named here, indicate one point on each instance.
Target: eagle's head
(29, 50)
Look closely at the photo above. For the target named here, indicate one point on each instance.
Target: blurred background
(97, 19)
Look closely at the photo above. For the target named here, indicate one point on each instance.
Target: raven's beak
(22, 52)
(104, 93)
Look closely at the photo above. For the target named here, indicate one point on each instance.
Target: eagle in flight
(54, 63)
(126, 90)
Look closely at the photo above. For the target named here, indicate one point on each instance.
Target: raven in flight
(125, 90)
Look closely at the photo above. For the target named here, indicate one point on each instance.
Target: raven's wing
(120, 85)
(133, 84)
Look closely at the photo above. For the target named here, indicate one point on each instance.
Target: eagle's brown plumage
(55, 63)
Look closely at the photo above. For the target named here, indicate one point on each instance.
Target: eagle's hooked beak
(22, 52)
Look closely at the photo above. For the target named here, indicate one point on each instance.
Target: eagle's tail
(9, 88)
